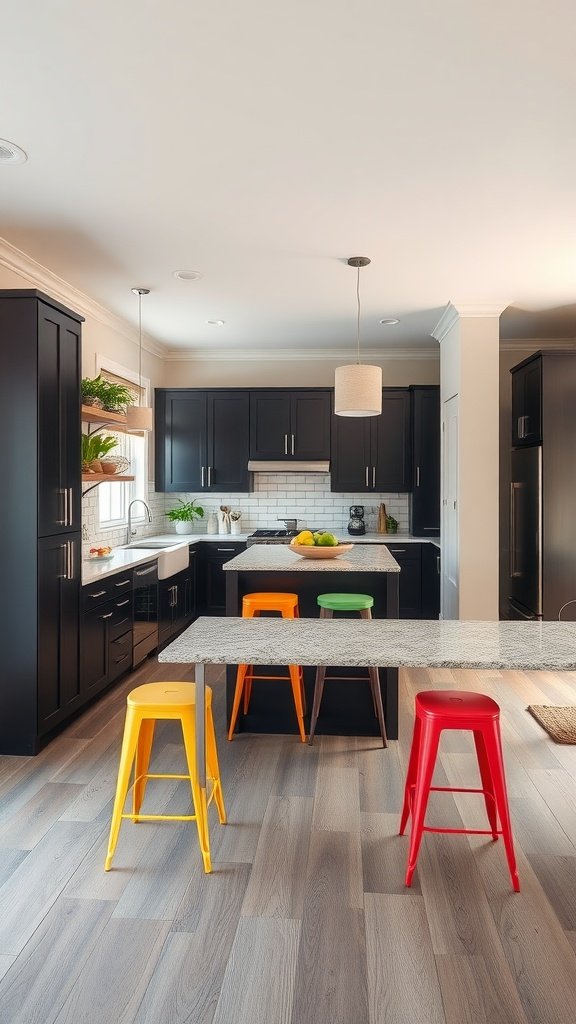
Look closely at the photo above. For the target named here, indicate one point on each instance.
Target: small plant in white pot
(184, 515)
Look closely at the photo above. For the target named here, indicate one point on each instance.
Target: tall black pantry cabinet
(40, 515)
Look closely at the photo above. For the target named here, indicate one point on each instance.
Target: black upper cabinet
(287, 425)
(426, 461)
(527, 402)
(59, 479)
(40, 517)
(373, 453)
(201, 440)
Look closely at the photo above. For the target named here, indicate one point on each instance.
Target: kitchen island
(347, 707)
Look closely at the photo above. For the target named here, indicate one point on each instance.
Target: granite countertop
(386, 538)
(385, 642)
(280, 558)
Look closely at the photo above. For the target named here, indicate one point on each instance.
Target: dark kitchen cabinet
(425, 508)
(106, 633)
(59, 691)
(290, 425)
(202, 440)
(40, 517)
(409, 558)
(430, 581)
(59, 482)
(527, 402)
(373, 453)
(211, 594)
(177, 601)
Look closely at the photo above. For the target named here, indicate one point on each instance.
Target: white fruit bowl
(319, 551)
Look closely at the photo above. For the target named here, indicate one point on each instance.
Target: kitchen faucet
(131, 532)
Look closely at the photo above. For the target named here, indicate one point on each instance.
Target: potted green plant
(105, 394)
(94, 446)
(184, 514)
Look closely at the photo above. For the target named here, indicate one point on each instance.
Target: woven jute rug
(560, 723)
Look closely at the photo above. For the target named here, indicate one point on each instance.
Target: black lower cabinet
(409, 558)
(430, 581)
(211, 576)
(106, 635)
(177, 602)
(419, 585)
(59, 688)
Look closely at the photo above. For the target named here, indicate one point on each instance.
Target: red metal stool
(456, 709)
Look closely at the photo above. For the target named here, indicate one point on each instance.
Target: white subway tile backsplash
(304, 495)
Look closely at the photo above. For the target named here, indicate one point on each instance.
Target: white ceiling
(262, 143)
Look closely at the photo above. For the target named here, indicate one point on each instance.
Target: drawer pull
(120, 604)
(99, 593)
(144, 572)
(108, 616)
(123, 658)
(125, 583)
(225, 549)
(397, 551)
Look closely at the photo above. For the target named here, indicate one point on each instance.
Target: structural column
(469, 340)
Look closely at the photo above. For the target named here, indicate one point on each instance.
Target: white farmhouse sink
(172, 556)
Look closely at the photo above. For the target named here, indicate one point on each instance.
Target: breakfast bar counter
(347, 707)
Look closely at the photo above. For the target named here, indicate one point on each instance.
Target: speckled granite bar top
(392, 642)
(279, 558)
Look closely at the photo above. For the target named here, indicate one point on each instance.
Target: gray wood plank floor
(305, 919)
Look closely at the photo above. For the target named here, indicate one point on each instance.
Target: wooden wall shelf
(104, 478)
(89, 414)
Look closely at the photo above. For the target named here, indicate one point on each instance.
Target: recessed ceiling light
(389, 321)
(11, 154)
(216, 323)
(187, 275)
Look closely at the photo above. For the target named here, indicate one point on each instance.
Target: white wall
(291, 372)
(469, 368)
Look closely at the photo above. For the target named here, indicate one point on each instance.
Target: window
(114, 498)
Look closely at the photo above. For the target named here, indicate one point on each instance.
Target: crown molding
(175, 355)
(461, 310)
(46, 281)
(513, 344)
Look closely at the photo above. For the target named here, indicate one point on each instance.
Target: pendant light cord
(358, 321)
(140, 349)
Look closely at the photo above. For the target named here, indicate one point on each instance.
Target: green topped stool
(362, 603)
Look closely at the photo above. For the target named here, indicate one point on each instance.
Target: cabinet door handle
(124, 583)
(63, 494)
(108, 616)
(120, 604)
(70, 513)
(70, 554)
(209, 476)
(292, 444)
(438, 564)
(64, 575)
(366, 476)
(373, 477)
(285, 444)
(202, 483)
(99, 593)
(417, 476)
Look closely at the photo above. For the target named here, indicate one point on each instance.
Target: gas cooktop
(271, 536)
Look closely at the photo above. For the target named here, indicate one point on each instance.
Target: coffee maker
(357, 526)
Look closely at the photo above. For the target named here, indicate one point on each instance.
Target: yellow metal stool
(146, 705)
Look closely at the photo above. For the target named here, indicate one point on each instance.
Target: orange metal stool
(287, 606)
(147, 704)
(437, 710)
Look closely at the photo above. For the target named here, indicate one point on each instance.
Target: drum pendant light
(139, 417)
(357, 387)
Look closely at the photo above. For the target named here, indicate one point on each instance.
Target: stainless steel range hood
(294, 466)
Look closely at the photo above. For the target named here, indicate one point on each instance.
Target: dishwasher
(145, 639)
